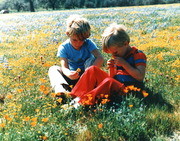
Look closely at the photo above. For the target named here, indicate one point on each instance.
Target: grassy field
(29, 110)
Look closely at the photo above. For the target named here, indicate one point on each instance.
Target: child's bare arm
(99, 59)
(137, 72)
(66, 71)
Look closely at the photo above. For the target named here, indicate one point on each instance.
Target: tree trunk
(31, 5)
(52, 3)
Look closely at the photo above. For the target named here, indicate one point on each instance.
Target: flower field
(29, 110)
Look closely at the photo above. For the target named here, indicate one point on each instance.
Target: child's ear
(126, 43)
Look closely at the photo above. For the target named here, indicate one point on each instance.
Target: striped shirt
(135, 58)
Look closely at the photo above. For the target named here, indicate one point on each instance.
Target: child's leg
(89, 62)
(56, 79)
(107, 86)
(90, 79)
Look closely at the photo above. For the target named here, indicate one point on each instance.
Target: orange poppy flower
(26, 119)
(145, 94)
(45, 119)
(2, 125)
(19, 90)
(34, 119)
(33, 124)
(104, 101)
(100, 125)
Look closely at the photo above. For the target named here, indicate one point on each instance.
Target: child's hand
(119, 61)
(73, 75)
(78, 70)
(110, 63)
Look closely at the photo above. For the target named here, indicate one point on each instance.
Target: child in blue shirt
(76, 53)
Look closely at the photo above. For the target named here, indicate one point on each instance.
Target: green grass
(28, 110)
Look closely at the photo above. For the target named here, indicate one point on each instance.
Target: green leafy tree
(69, 4)
(99, 3)
(31, 5)
(50, 3)
(18, 5)
(12, 4)
(90, 3)
(3, 4)
(80, 3)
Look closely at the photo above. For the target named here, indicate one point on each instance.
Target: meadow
(29, 110)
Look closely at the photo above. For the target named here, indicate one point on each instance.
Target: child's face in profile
(118, 51)
(76, 42)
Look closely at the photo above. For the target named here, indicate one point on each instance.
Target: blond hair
(77, 25)
(114, 35)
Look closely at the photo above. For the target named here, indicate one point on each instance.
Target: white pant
(56, 78)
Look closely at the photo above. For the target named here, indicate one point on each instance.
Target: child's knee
(92, 68)
(53, 69)
(89, 62)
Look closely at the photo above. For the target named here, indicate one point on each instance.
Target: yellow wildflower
(33, 124)
(30, 84)
(78, 70)
(173, 71)
(44, 137)
(34, 119)
(131, 106)
(45, 119)
(53, 94)
(19, 90)
(59, 100)
(177, 78)
(9, 96)
(26, 119)
(7, 117)
(43, 80)
(37, 110)
(58, 94)
(2, 125)
(160, 56)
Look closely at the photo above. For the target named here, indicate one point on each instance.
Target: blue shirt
(76, 58)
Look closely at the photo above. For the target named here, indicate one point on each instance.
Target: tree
(3, 4)
(80, 3)
(99, 3)
(31, 5)
(109, 3)
(89, 3)
(49, 3)
(52, 3)
(69, 4)
(18, 5)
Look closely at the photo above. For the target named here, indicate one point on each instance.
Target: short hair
(114, 35)
(77, 25)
